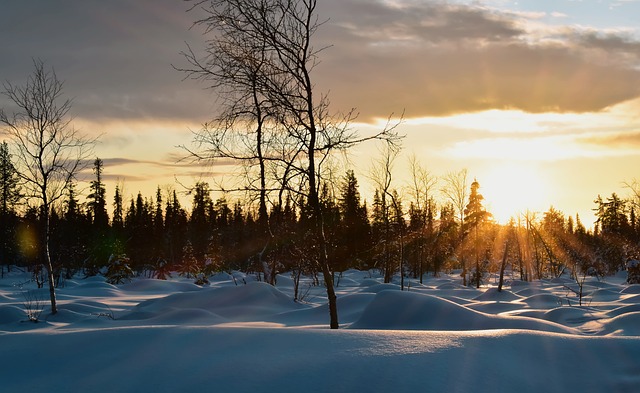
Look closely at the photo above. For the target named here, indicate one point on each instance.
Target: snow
(240, 335)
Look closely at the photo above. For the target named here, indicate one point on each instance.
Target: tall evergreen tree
(74, 235)
(354, 232)
(176, 228)
(101, 248)
(201, 220)
(118, 211)
(475, 215)
(10, 196)
(158, 228)
(97, 198)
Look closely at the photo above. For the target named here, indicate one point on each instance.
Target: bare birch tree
(49, 152)
(455, 190)
(269, 43)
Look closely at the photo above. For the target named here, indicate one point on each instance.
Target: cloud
(115, 57)
(440, 59)
(427, 58)
(618, 141)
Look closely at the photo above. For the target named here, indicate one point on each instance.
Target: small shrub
(33, 305)
(118, 271)
(633, 271)
(201, 279)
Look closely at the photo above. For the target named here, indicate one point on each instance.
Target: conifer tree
(97, 198)
(201, 220)
(10, 192)
(354, 232)
(475, 215)
(74, 238)
(101, 249)
(176, 228)
(10, 195)
(118, 217)
(158, 229)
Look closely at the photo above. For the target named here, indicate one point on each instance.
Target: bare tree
(49, 152)
(231, 65)
(382, 177)
(271, 57)
(421, 186)
(455, 190)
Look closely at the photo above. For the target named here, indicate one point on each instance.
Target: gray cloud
(422, 57)
(116, 56)
(440, 59)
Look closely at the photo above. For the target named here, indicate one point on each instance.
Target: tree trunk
(46, 258)
(503, 266)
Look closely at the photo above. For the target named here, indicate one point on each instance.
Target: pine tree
(10, 195)
(158, 228)
(97, 198)
(176, 228)
(201, 220)
(118, 220)
(101, 249)
(354, 231)
(475, 215)
(75, 235)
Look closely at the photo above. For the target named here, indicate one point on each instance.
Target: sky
(538, 100)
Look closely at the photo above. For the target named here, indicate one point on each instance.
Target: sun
(512, 188)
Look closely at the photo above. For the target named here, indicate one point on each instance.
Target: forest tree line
(396, 232)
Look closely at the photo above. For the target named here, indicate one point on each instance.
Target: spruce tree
(475, 215)
(101, 249)
(10, 195)
(201, 220)
(97, 198)
(354, 231)
(118, 218)
(176, 228)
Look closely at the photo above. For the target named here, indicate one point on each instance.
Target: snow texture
(245, 336)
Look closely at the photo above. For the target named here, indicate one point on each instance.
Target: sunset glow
(511, 189)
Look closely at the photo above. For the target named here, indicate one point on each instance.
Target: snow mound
(631, 299)
(244, 302)
(86, 307)
(381, 287)
(349, 308)
(369, 282)
(601, 284)
(623, 310)
(451, 285)
(12, 314)
(346, 282)
(633, 289)
(159, 286)
(624, 325)
(97, 285)
(529, 291)
(605, 295)
(569, 316)
(492, 294)
(543, 300)
(494, 307)
(519, 283)
(188, 316)
(562, 280)
(393, 310)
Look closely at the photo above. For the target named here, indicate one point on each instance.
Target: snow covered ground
(238, 335)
